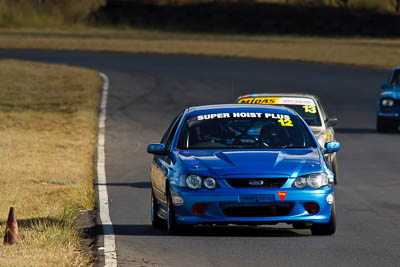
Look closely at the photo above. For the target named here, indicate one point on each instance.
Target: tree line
(342, 3)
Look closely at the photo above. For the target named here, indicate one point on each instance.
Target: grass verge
(376, 52)
(48, 122)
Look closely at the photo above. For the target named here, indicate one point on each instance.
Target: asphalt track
(147, 91)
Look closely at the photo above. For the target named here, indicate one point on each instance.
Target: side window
(167, 132)
(396, 78)
(172, 133)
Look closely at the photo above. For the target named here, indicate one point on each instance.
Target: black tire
(325, 228)
(335, 169)
(156, 221)
(172, 226)
(381, 125)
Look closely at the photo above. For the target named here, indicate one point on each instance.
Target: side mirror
(330, 122)
(385, 86)
(332, 147)
(156, 149)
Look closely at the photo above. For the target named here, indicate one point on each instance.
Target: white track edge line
(110, 254)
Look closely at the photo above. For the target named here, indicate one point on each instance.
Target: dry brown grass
(375, 52)
(49, 13)
(48, 119)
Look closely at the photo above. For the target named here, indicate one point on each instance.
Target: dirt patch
(86, 225)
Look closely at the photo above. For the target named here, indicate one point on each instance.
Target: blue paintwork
(332, 147)
(157, 149)
(392, 92)
(247, 163)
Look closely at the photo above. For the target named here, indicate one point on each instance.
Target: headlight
(197, 182)
(387, 102)
(193, 181)
(300, 182)
(317, 180)
(313, 180)
(210, 183)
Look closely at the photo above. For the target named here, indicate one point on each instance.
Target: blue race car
(241, 164)
(388, 117)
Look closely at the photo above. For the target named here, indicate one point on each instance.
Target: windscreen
(396, 79)
(244, 130)
(306, 107)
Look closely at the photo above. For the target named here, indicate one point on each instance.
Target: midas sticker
(298, 101)
(259, 100)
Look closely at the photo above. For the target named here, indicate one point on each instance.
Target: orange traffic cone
(11, 236)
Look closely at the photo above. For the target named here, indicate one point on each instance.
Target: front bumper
(389, 113)
(394, 116)
(225, 206)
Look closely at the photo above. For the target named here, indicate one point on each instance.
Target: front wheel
(325, 228)
(172, 226)
(156, 221)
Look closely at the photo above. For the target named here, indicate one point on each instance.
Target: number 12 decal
(286, 122)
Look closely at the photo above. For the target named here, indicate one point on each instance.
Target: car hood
(218, 164)
(395, 94)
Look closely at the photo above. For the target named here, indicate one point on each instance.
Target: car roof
(314, 97)
(239, 108)
(396, 68)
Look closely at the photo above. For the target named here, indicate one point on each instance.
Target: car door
(161, 164)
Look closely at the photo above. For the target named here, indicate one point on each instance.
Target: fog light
(177, 200)
(312, 208)
(210, 183)
(198, 209)
(330, 198)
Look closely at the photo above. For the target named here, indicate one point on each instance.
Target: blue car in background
(388, 115)
(241, 164)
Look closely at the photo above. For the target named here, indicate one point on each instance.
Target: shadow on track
(223, 231)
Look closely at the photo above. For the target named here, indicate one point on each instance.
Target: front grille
(260, 210)
(266, 182)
